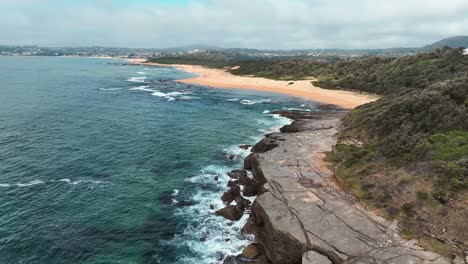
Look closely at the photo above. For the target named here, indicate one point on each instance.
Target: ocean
(106, 162)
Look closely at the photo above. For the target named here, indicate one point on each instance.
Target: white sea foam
(252, 102)
(31, 183)
(137, 79)
(110, 89)
(174, 194)
(177, 93)
(80, 181)
(141, 88)
(185, 97)
(141, 73)
(4, 185)
(232, 100)
(158, 94)
(211, 237)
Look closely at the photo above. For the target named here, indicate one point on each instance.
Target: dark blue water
(102, 162)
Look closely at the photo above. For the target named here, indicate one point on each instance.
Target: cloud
(274, 24)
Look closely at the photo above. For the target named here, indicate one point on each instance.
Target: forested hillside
(375, 75)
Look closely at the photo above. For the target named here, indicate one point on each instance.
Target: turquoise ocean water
(104, 162)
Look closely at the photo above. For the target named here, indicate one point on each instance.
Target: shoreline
(300, 214)
(219, 78)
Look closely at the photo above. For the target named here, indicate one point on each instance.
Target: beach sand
(219, 78)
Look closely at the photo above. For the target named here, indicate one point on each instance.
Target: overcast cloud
(267, 24)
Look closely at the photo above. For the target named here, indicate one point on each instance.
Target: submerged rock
(245, 146)
(233, 157)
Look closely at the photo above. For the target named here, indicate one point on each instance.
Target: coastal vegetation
(380, 75)
(407, 153)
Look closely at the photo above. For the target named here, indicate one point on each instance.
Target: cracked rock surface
(304, 217)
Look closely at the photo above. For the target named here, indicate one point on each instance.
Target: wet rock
(253, 251)
(216, 178)
(231, 212)
(245, 181)
(253, 190)
(231, 184)
(245, 146)
(262, 260)
(212, 207)
(329, 107)
(295, 126)
(248, 161)
(231, 195)
(236, 174)
(233, 157)
(266, 144)
(243, 202)
(235, 260)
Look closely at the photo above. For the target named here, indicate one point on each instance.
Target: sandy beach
(219, 78)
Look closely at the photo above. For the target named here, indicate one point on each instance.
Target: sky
(262, 24)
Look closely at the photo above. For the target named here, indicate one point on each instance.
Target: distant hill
(454, 42)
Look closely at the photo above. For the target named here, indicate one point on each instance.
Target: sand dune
(219, 78)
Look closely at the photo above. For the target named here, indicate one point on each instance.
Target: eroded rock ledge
(302, 216)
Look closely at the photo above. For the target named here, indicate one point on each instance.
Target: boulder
(231, 195)
(266, 144)
(245, 146)
(253, 190)
(236, 174)
(253, 251)
(245, 181)
(248, 161)
(231, 212)
(243, 202)
(233, 157)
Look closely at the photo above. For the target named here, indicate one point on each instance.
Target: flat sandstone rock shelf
(301, 216)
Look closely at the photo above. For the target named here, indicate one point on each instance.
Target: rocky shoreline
(300, 214)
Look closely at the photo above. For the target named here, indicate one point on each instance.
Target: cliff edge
(302, 216)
